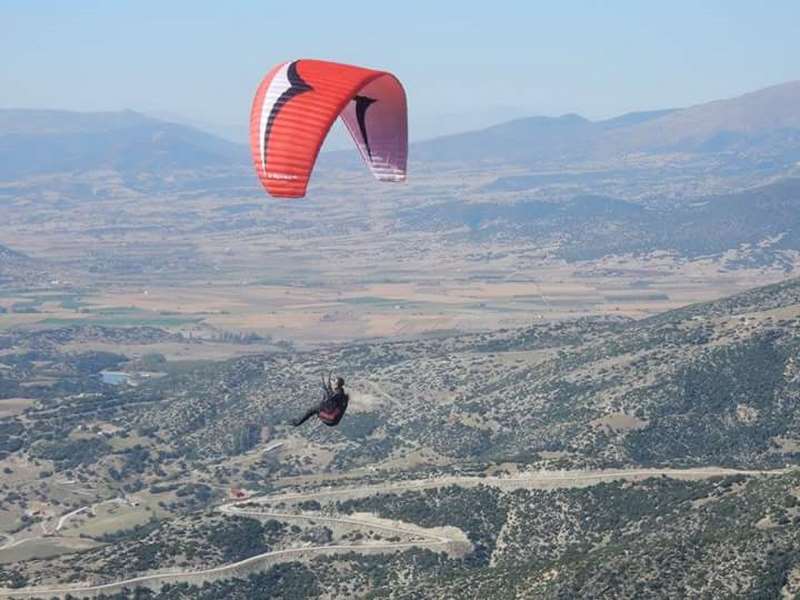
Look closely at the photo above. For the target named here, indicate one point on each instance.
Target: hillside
(36, 142)
(655, 539)
(755, 128)
(707, 386)
(722, 123)
(703, 387)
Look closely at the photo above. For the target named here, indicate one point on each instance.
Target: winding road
(451, 539)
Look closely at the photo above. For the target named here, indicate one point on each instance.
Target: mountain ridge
(39, 142)
(729, 122)
(755, 129)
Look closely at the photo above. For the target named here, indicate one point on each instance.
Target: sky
(464, 64)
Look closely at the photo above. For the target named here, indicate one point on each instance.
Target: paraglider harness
(334, 403)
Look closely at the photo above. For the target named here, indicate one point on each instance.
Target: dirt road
(445, 537)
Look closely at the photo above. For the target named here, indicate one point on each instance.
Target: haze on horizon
(464, 66)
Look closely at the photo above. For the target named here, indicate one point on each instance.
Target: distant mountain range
(760, 127)
(35, 142)
(765, 123)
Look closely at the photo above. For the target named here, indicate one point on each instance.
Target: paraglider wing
(295, 107)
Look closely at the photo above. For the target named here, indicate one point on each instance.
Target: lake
(115, 377)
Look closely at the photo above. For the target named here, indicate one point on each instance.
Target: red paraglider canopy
(295, 107)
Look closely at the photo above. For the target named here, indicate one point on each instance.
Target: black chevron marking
(362, 104)
(298, 86)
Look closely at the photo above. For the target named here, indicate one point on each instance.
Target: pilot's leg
(310, 413)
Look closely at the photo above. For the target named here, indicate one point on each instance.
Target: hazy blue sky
(461, 62)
